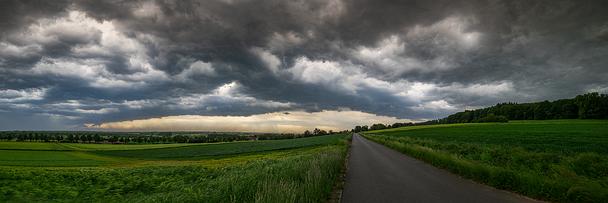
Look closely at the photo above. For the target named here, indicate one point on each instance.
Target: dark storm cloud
(98, 61)
(15, 13)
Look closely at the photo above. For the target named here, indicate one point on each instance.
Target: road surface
(379, 174)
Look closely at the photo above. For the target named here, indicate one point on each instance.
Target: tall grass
(576, 177)
(307, 176)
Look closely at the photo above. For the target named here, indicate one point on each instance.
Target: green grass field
(208, 150)
(65, 155)
(33, 146)
(49, 158)
(51, 146)
(555, 160)
(294, 170)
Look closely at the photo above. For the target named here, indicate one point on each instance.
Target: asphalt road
(379, 174)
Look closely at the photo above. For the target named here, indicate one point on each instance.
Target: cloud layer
(283, 122)
(66, 63)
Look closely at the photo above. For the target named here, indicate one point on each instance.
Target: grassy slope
(561, 160)
(58, 156)
(555, 135)
(49, 146)
(96, 147)
(46, 158)
(303, 174)
(208, 150)
(32, 146)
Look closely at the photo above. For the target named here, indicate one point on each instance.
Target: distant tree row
(586, 106)
(146, 137)
(317, 132)
(307, 133)
(133, 138)
(380, 126)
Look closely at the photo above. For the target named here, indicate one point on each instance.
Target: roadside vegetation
(296, 170)
(554, 160)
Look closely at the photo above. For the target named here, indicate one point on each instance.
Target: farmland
(555, 160)
(294, 170)
(54, 146)
(220, 149)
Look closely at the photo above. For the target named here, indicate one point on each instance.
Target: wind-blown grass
(563, 161)
(305, 177)
(303, 172)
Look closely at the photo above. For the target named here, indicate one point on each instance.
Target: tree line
(586, 106)
(116, 138)
(147, 137)
(138, 138)
(380, 126)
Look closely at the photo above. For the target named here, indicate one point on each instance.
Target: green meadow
(293, 170)
(54, 146)
(210, 150)
(554, 160)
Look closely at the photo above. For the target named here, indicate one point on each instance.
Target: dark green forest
(586, 106)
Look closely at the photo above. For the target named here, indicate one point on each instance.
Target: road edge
(338, 188)
(458, 175)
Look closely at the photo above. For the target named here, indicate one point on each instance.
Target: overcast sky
(283, 66)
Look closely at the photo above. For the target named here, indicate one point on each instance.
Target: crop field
(49, 158)
(207, 150)
(294, 170)
(52, 146)
(555, 160)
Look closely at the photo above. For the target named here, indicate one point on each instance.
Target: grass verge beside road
(562, 161)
